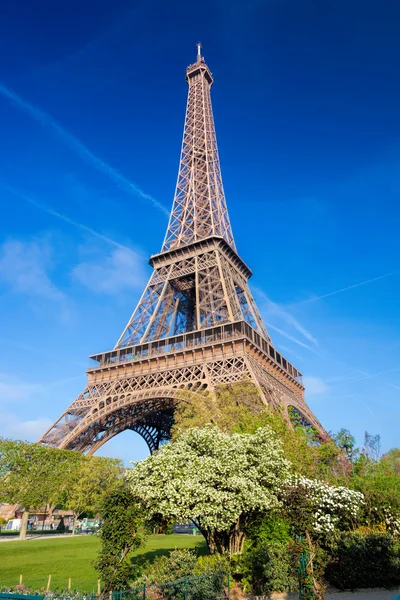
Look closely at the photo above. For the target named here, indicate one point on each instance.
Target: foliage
(33, 475)
(230, 408)
(392, 460)
(214, 563)
(360, 561)
(268, 567)
(314, 506)
(89, 482)
(179, 564)
(270, 528)
(379, 481)
(182, 573)
(220, 482)
(159, 525)
(238, 408)
(119, 535)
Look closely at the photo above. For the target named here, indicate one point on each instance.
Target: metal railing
(191, 340)
(214, 586)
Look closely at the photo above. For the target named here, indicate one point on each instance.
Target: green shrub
(268, 567)
(211, 564)
(362, 561)
(270, 529)
(181, 575)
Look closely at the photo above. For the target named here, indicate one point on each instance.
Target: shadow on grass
(150, 555)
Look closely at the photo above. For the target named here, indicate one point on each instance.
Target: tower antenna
(198, 52)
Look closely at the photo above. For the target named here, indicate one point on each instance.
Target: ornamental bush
(314, 506)
(268, 567)
(182, 575)
(362, 561)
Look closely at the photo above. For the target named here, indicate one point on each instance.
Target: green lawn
(72, 557)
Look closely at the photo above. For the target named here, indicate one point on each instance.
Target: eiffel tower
(196, 324)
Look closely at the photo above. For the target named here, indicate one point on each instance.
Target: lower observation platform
(138, 387)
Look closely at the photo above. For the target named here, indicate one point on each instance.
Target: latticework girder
(196, 325)
(199, 209)
(202, 288)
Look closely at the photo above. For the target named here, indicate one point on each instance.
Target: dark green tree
(120, 534)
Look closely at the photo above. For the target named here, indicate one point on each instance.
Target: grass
(72, 557)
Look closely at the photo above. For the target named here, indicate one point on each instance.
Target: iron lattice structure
(196, 324)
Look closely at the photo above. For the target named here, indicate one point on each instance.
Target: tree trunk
(74, 524)
(236, 542)
(224, 542)
(24, 524)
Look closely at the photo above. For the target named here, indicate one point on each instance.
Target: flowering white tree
(319, 507)
(218, 481)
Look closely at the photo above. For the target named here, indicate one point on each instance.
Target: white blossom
(212, 476)
(333, 505)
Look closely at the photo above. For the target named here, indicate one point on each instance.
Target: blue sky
(306, 97)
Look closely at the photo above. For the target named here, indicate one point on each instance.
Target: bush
(181, 575)
(179, 564)
(361, 561)
(270, 528)
(268, 567)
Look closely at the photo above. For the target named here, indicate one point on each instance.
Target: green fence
(205, 587)
(7, 596)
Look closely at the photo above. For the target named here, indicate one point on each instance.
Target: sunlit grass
(65, 558)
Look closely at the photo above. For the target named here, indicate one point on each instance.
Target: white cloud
(24, 268)
(13, 390)
(122, 270)
(314, 385)
(14, 428)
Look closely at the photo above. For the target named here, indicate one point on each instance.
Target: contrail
(280, 311)
(49, 123)
(292, 338)
(50, 211)
(350, 287)
(367, 376)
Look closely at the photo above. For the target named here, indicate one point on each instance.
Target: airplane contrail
(58, 215)
(350, 287)
(280, 311)
(49, 123)
(367, 376)
(292, 338)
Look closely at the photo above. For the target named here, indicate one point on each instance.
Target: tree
(232, 408)
(33, 475)
(392, 458)
(119, 535)
(219, 481)
(93, 478)
(238, 408)
(372, 446)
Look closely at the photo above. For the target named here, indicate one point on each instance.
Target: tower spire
(199, 208)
